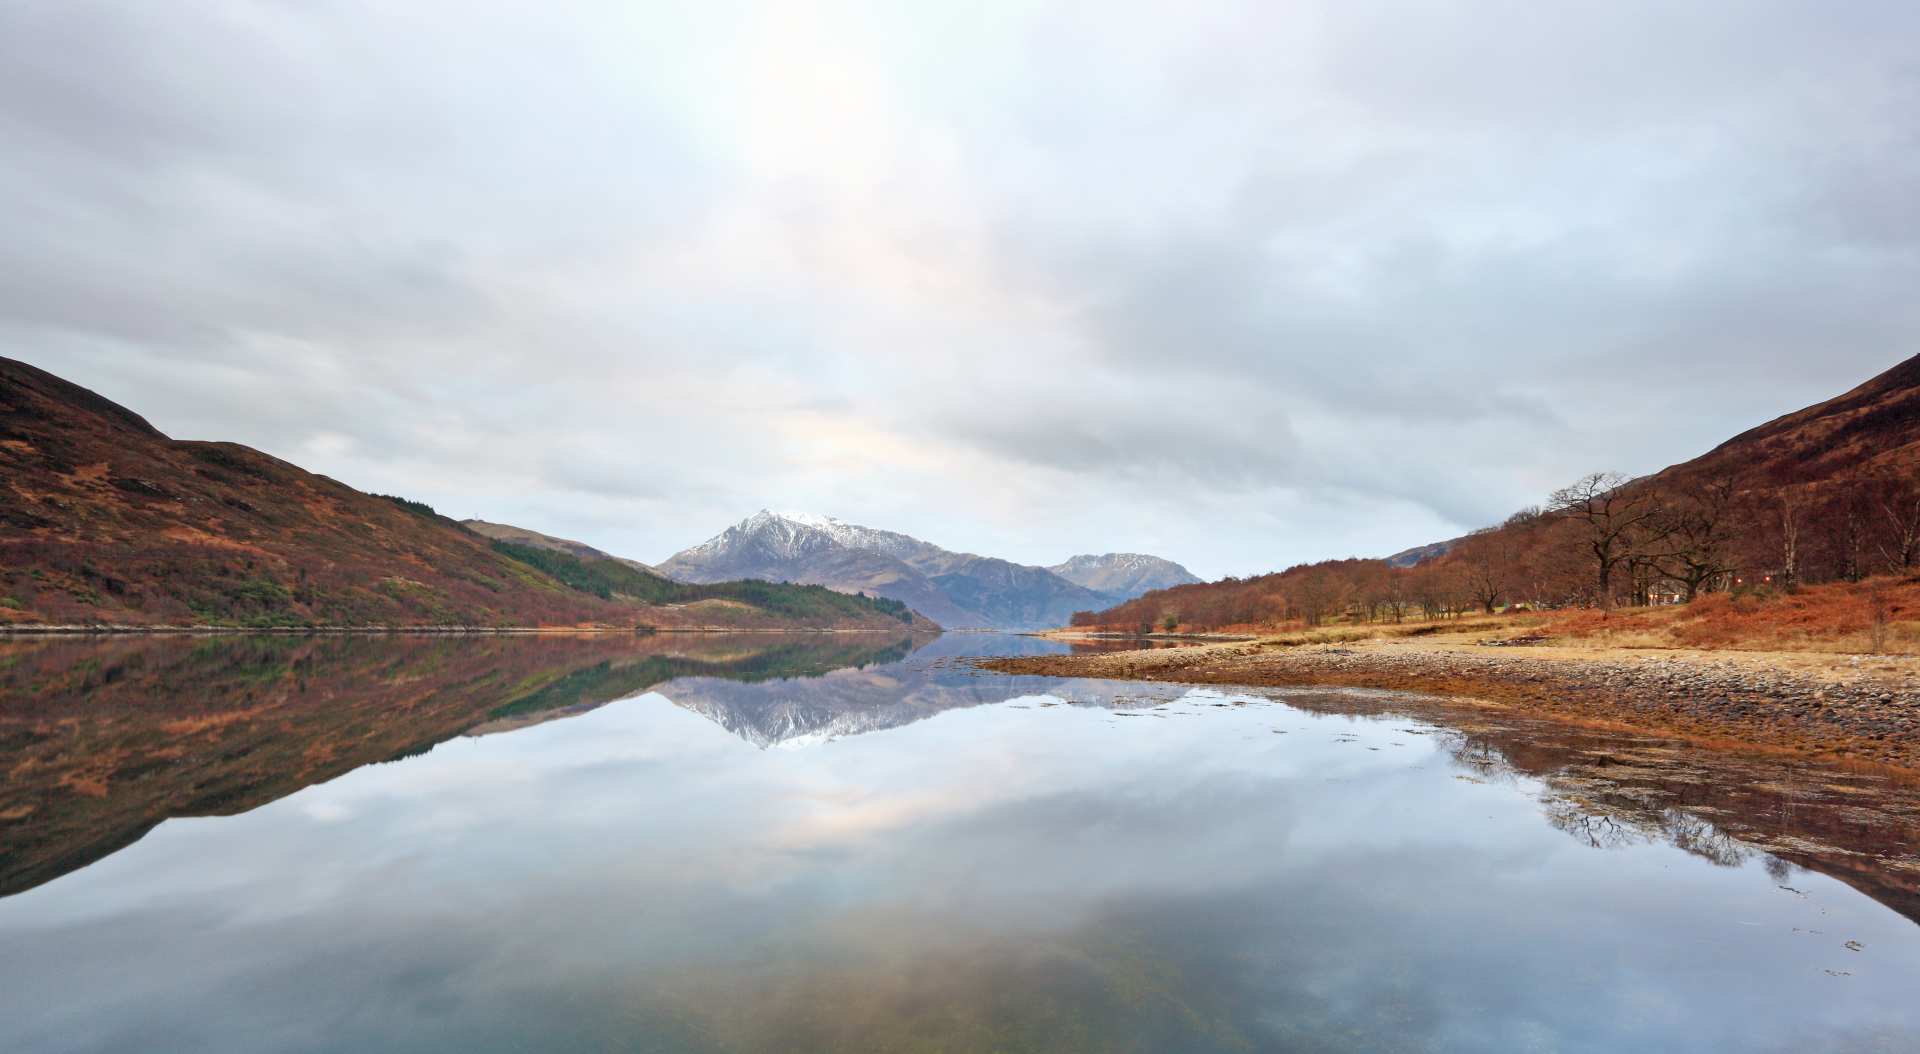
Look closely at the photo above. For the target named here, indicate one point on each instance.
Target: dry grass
(1837, 618)
(1470, 626)
(1877, 616)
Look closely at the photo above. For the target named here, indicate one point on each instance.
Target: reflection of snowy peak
(770, 715)
(851, 702)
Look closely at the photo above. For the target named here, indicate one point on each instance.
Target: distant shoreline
(1071, 635)
(451, 631)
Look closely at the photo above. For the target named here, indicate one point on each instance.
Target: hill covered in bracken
(106, 521)
(1871, 431)
(1827, 494)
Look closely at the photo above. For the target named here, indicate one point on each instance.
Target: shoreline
(388, 631)
(1856, 710)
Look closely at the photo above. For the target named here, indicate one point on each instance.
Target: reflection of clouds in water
(1023, 865)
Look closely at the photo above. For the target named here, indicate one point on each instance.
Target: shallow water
(763, 843)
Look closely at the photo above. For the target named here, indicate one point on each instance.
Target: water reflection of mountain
(853, 701)
(749, 659)
(103, 738)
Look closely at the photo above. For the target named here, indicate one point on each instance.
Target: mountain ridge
(1124, 574)
(958, 590)
(506, 532)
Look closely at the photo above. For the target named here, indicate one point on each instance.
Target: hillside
(1829, 493)
(1873, 429)
(504, 532)
(958, 590)
(104, 520)
(1420, 554)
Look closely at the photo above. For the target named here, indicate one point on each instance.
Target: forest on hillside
(1601, 542)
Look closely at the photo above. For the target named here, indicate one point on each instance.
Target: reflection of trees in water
(1599, 831)
(1589, 814)
(1704, 839)
(109, 736)
(1610, 791)
(1478, 755)
(1595, 824)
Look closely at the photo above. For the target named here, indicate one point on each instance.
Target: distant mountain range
(957, 590)
(1126, 575)
(106, 521)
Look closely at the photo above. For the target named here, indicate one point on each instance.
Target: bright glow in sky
(1240, 285)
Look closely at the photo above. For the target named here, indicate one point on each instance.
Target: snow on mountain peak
(808, 519)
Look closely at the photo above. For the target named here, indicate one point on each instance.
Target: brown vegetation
(106, 737)
(1830, 494)
(105, 521)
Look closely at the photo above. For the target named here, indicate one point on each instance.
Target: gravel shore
(1858, 708)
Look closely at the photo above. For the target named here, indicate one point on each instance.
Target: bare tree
(1615, 519)
(1845, 521)
(1879, 616)
(1317, 595)
(1643, 571)
(1484, 571)
(1898, 502)
(1393, 595)
(1792, 513)
(1700, 531)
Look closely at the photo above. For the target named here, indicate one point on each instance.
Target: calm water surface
(765, 843)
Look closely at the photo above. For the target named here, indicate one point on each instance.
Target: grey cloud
(1259, 284)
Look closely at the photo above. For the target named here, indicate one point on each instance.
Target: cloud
(1260, 284)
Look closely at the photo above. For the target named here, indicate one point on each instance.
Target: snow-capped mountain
(957, 590)
(1125, 575)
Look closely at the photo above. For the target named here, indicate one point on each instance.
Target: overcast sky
(1239, 285)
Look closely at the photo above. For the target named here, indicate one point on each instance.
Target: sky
(1239, 285)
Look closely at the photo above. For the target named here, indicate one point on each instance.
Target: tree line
(1602, 541)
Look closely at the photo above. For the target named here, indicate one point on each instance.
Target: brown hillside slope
(1845, 473)
(506, 532)
(104, 520)
(1874, 427)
